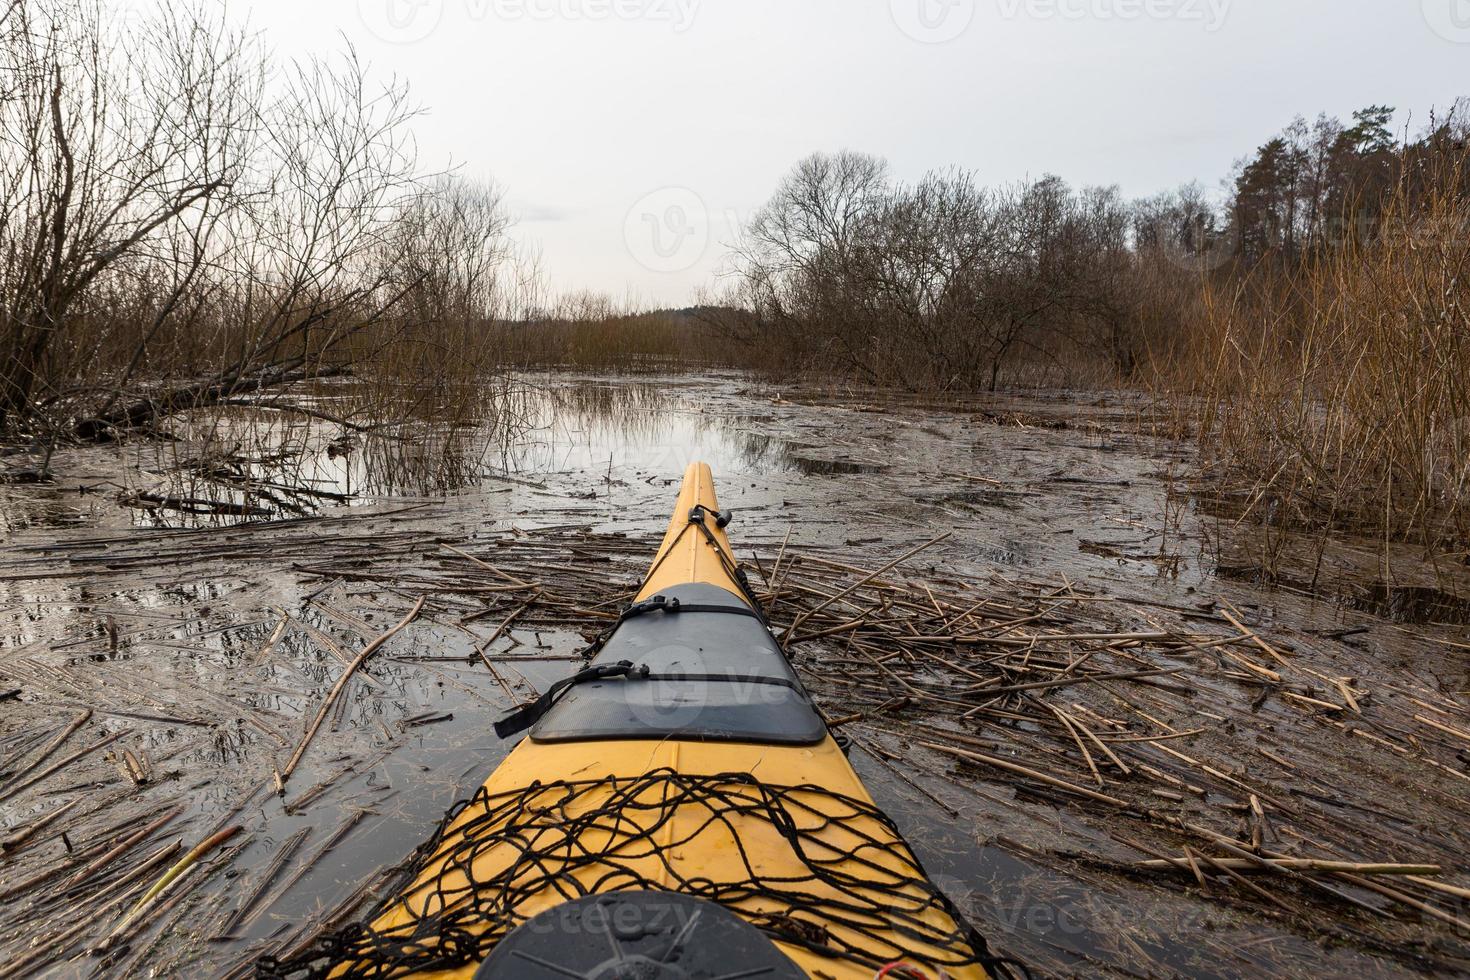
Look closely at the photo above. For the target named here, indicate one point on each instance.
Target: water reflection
(238, 464)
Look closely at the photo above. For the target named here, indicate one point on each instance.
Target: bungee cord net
(809, 867)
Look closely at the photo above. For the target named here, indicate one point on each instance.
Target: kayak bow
(679, 809)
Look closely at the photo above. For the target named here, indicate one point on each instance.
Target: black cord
(869, 910)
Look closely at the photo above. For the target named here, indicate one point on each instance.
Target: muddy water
(1033, 490)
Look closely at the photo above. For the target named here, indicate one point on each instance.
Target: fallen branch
(337, 689)
(1297, 864)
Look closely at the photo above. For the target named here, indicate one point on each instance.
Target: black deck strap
(658, 603)
(665, 605)
(732, 567)
(662, 604)
(729, 679)
(528, 714)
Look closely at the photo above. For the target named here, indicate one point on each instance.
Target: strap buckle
(722, 517)
(527, 715)
(658, 603)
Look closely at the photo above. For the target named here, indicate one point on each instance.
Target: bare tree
(180, 225)
(938, 284)
(114, 139)
(798, 256)
(451, 243)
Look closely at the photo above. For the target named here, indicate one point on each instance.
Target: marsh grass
(326, 443)
(1333, 397)
(629, 342)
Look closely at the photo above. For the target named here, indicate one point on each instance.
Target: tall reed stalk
(1336, 393)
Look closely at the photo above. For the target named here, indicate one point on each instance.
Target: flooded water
(237, 465)
(179, 591)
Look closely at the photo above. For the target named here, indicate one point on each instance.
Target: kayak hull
(780, 834)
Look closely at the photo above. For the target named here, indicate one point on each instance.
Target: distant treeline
(585, 331)
(946, 283)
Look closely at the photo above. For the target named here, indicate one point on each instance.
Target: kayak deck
(781, 832)
(815, 864)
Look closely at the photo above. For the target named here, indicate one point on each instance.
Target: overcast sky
(634, 135)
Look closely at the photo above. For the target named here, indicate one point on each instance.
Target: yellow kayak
(678, 810)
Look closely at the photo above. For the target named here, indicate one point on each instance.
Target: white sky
(611, 120)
